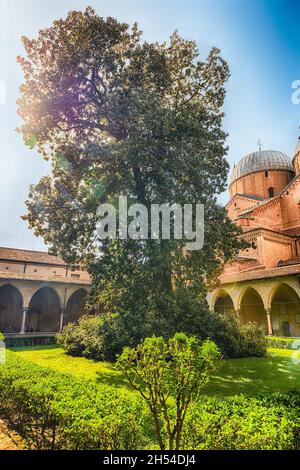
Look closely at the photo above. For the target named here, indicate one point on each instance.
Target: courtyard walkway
(9, 440)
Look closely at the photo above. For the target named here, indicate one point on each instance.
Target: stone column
(238, 314)
(269, 321)
(23, 324)
(61, 320)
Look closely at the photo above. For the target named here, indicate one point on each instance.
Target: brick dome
(263, 160)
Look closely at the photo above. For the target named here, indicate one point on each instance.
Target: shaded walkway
(8, 439)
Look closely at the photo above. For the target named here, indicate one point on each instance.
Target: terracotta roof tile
(38, 277)
(260, 274)
(15, 254)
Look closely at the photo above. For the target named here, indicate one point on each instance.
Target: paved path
(8, 439)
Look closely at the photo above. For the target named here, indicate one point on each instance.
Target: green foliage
(283, 343)
(99, 338)
(117, 115)
(248, 376)
(240, 423)
(236, 340)
(103, 338)
(51, 410)
(83, 339)
(2, 337)
(293, 354)
(162, 372)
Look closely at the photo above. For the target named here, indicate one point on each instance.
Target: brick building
(38, 292)
(263, 283)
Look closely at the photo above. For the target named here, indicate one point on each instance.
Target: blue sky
(259, 39)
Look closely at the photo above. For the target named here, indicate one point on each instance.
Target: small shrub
(83, 339)
(252, 340)
(236, 340)
(99, 338)
(176, 369)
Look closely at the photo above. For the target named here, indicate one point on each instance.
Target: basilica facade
(262, 284)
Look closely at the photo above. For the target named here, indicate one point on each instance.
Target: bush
(2, 337)
(283, 343)
(51, 410)
(241, 423)
(103, 338)
(83, 339)
(252, 340)
(99, 338)
(176, 369)
(236, 340)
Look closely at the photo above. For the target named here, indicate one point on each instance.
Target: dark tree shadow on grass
(253, 376)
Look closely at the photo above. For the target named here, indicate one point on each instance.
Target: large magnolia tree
(118, 115)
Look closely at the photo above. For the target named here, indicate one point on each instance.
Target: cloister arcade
(45, 307)
(274, 303)
(35, 307)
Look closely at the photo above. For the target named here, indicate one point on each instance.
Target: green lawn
(55, 358)
(279, 371)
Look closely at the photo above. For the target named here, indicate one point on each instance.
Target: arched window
(271, 192)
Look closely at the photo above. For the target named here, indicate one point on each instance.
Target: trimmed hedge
(52, 410)
(241, 423)
(283, 343)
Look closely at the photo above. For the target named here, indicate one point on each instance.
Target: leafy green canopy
(117, 115)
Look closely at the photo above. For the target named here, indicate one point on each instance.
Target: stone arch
(59, 291)
(43, 311)
(75, 306)
(285, 310)
(276, 285)
(11, 309)
(251, 307)
(223, 303)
